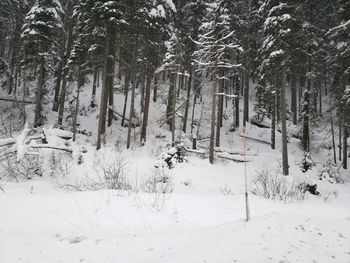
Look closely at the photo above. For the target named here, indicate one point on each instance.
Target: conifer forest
(174, 131)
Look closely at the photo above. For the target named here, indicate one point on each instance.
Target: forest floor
(197, 215)
(40, 223)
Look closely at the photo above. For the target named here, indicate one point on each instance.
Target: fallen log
(7, 142)
(222, 155)
(254, 139)
(117, 113)
(19, 101)
(234, 152)
(235, 159)
(39, 146)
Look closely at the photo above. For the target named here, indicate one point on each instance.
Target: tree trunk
(142, 101)
(126, 94)
(57, 87)
(62, 98)
(320, 100)
(340, 136)
(38, 118)
(219, 114)
(306, 116)
(294, 107)
(106, 86)
(333, 137)
(94, 85)
(213, 109)
(172, 92)
(195, 91)
(155, 87)
(173, 116)
(75, 119)
(133, 87)
(273, 120)
(345, 141)
(189, 87)
(246, 99)
(146, 109)
(237, 103)
(284, 124)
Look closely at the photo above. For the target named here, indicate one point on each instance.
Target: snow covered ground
(40, 223)
(68, 215)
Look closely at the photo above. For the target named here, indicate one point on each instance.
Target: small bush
(159, 182)
(329, 173)
(114, 175)
(25, 168)
(277, 187)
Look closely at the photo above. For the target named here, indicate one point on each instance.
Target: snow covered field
(202, 220)
(63, 217)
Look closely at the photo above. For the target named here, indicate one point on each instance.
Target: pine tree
(215, 50)
(42, 24)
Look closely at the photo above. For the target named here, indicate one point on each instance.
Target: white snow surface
(60, 218)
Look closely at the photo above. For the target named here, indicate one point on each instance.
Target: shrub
(277, 187)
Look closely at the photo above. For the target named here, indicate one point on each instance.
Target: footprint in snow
(75, 240)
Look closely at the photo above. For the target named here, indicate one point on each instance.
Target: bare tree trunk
(155, 87)
(237, 102)
(172, 92)
(173, 117)
(294, 107)
(219, 114)
(340, 136)
(110, 80)
(106, 87)
(133, 87)
(77, 104)
(38, 118)
(94, 85)
(284, 124)
(213, 110)
(189, 87)
(320, 100)
(246, 99)
(57, 87)
(126, 94)
(345, 141)
(147, 102)
(65, 74)
(306, 117)
(333, 137)
(142, 101)
(273, 124)
(195, 90)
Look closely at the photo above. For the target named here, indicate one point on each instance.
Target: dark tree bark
(62, 98)
(147, 102)
(294, 107)
(345, 141)
(172, 92)
(285, 164)
(306, 117)
(110, 83)
(155, 87)
(189, 87)
(75, 119)
(220, 101)
(142, 101)
(38, 117)
(107, 83)
(237, 121)
(94, 85)
(213, 110)
(126, 94)
(133, 87)
(273, 120)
